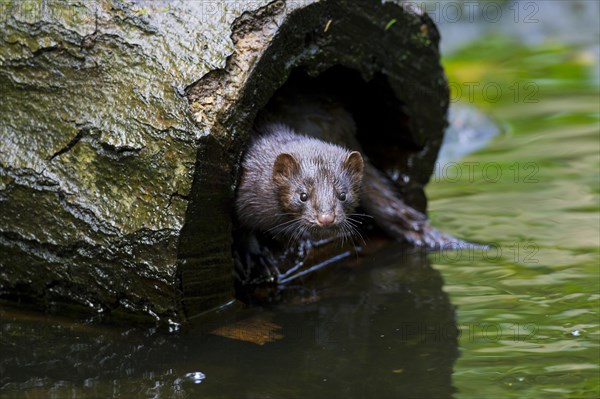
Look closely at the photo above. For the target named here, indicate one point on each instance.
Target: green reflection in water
(527, 307)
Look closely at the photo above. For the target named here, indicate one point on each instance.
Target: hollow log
(123, 124)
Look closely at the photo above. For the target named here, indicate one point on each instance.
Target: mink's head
(318, 193)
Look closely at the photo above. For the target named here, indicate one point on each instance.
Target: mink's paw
(430, 238)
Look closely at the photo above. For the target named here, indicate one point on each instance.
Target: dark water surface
(519, 320)
(383, 328)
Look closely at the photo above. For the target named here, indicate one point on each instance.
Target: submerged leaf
(257, 330)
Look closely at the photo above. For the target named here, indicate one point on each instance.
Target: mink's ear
(354, 163)
(285, 167)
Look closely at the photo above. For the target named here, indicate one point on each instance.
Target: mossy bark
(122, 126)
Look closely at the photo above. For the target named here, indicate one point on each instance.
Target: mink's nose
(325, 219)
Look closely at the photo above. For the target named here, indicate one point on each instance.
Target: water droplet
(173, 326)
(197, 376)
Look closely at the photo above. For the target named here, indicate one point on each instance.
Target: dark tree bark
(123, 123)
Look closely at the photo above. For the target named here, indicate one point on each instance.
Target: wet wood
(123, 124)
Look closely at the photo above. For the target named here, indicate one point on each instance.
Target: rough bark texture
(122, 126)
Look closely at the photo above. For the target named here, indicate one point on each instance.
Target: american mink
(294, 185)
(269, 197)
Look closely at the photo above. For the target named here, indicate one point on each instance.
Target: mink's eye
(342, 197)
(303, 197)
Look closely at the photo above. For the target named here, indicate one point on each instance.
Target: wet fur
(268, 196)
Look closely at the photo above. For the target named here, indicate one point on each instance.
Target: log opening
(382, 124)
(380, 59)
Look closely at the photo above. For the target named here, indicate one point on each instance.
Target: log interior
(382, 125)
(380, 60)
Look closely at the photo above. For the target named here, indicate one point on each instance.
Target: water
(528, 308)
(519, 319)
(365, 335)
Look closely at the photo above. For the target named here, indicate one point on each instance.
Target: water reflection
(380, 326)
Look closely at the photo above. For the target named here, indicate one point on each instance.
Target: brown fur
(280, 167)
